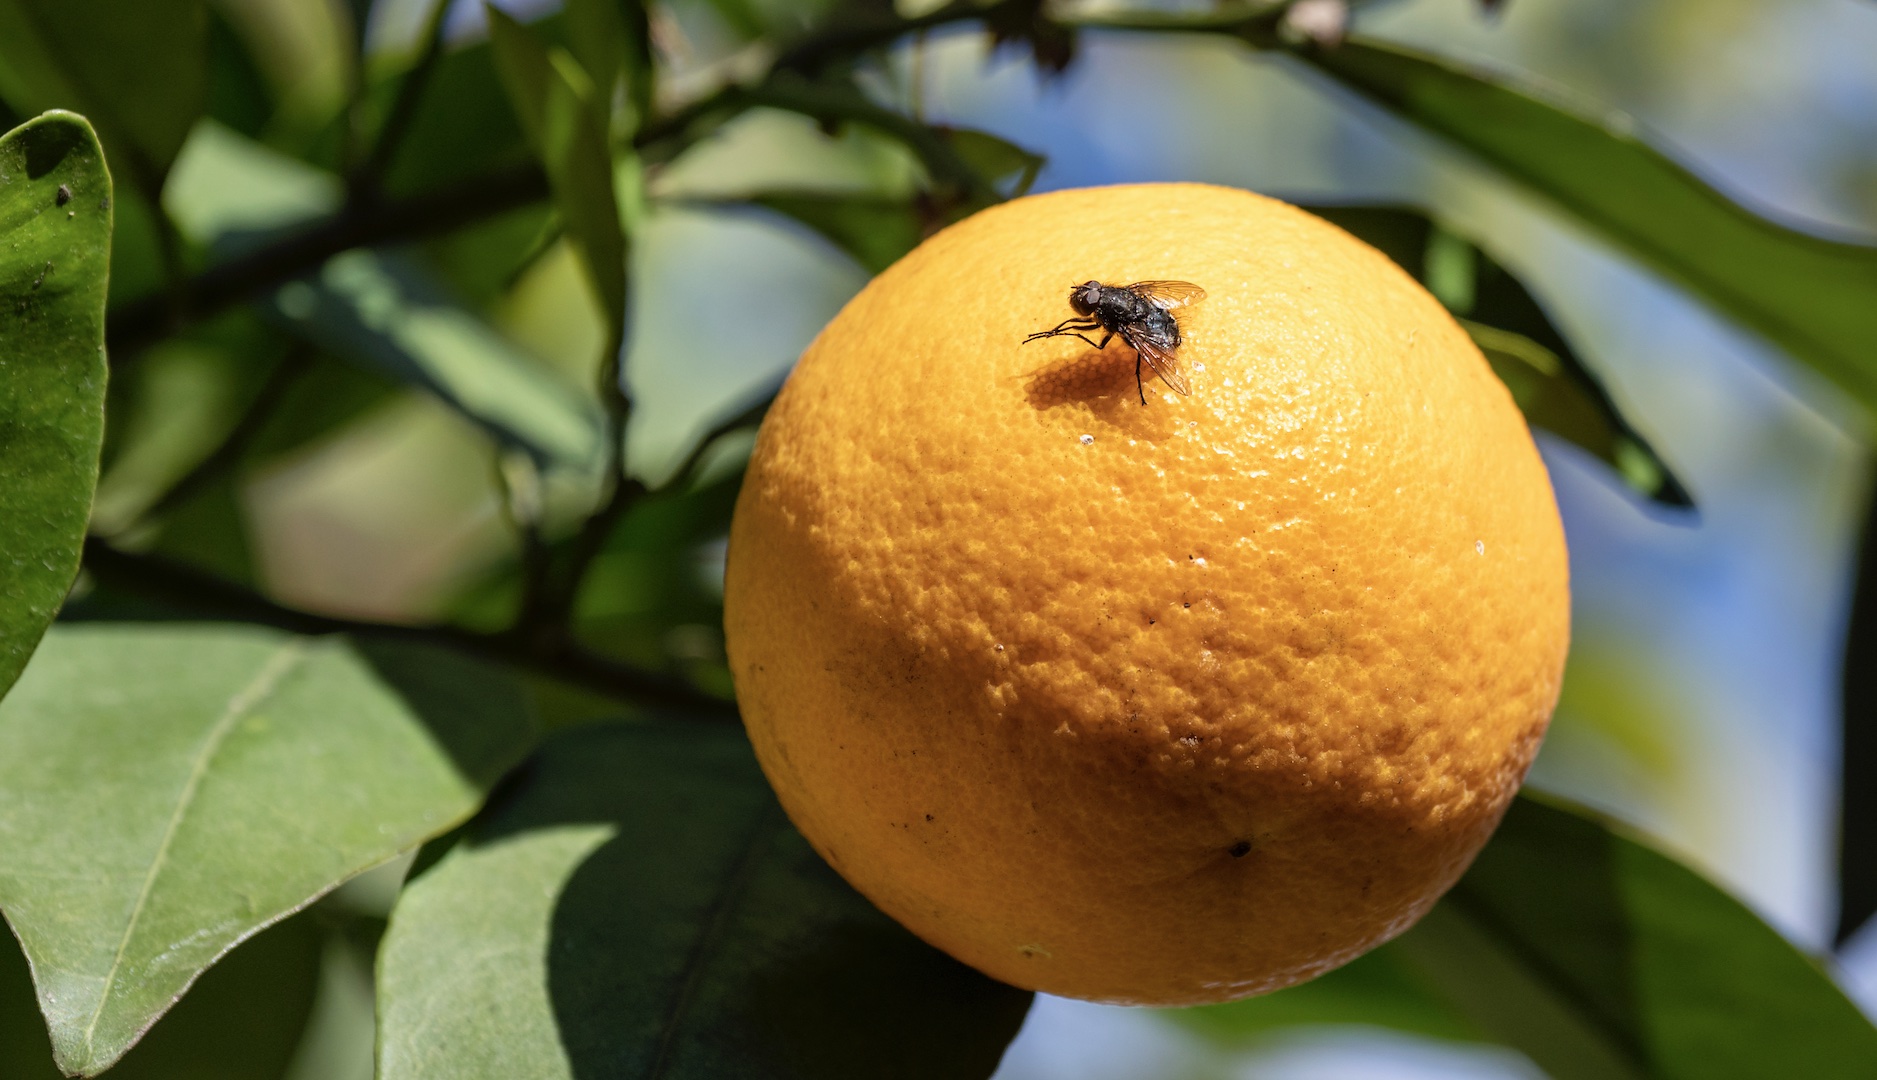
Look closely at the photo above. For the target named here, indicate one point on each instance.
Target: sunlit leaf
(135, 68)
(1815, 297)
(1552, 386)
(386, 314)
(566, 123)
(638, 905)
(213, 780)
(55, 237)
(244, 1020)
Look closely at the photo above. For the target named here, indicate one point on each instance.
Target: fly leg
(1138, 388)
(1066, 328)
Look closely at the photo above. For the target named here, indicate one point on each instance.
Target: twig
(143, 322)
(194, 590)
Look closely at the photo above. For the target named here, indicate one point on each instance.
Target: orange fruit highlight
(1157, 704)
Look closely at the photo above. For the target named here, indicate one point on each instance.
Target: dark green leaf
(1857, 816)
(1817, 298)
(238, 93)
(55, 236)
(385, 314)
(1599, 957)
(970, 169)
(462, 126)
(566, 123)
(1005, 165)
(213, 780)
(136, 68)
(243, 1021)
(876, 231)
(639, 906)
(1554, 388)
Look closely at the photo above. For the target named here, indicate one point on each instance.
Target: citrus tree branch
(195, 591)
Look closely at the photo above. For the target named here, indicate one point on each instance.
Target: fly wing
(1160, 357)
(1168, 295)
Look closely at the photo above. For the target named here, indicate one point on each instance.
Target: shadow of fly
(1142, 313)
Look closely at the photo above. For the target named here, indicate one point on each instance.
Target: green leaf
(998, 161)
(639, 906)
(1815, 297)
(566, 123)
(55, 238)
(167, 790)
(462, 125)
(385, 314)
(1378, 989)
(875, 230)
(1551, 385)
(244, 1020)
(1601, 958)
(136, 68)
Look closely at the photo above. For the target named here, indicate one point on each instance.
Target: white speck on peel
(1088, 440)
(1479, 546)
(1197, 366)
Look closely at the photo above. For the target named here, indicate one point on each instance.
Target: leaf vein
(243, 702)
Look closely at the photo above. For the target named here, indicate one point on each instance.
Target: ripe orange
(1195, 709)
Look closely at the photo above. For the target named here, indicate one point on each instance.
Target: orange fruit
(1156, 704)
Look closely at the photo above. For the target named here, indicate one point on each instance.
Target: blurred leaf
(242, 1021)
(174, 407)
(1857, 815)
(566, 123)
(957, 187)
(876, 231)
(996, 160)
(611, 38)
(233, 194)
(55, 235)
(238, 94)
(385, 314)
(135, 68)
(1028, 22)
(1601, 958)
(638, 905)
(168, 790)
(1551, 385)
(1817, 298)
(1378, 989)
(462, 125)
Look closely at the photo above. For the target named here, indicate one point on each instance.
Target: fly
(1142, 313)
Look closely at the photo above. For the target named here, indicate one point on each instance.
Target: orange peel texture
(1194, 709)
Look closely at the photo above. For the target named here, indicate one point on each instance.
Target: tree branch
(193, 590)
